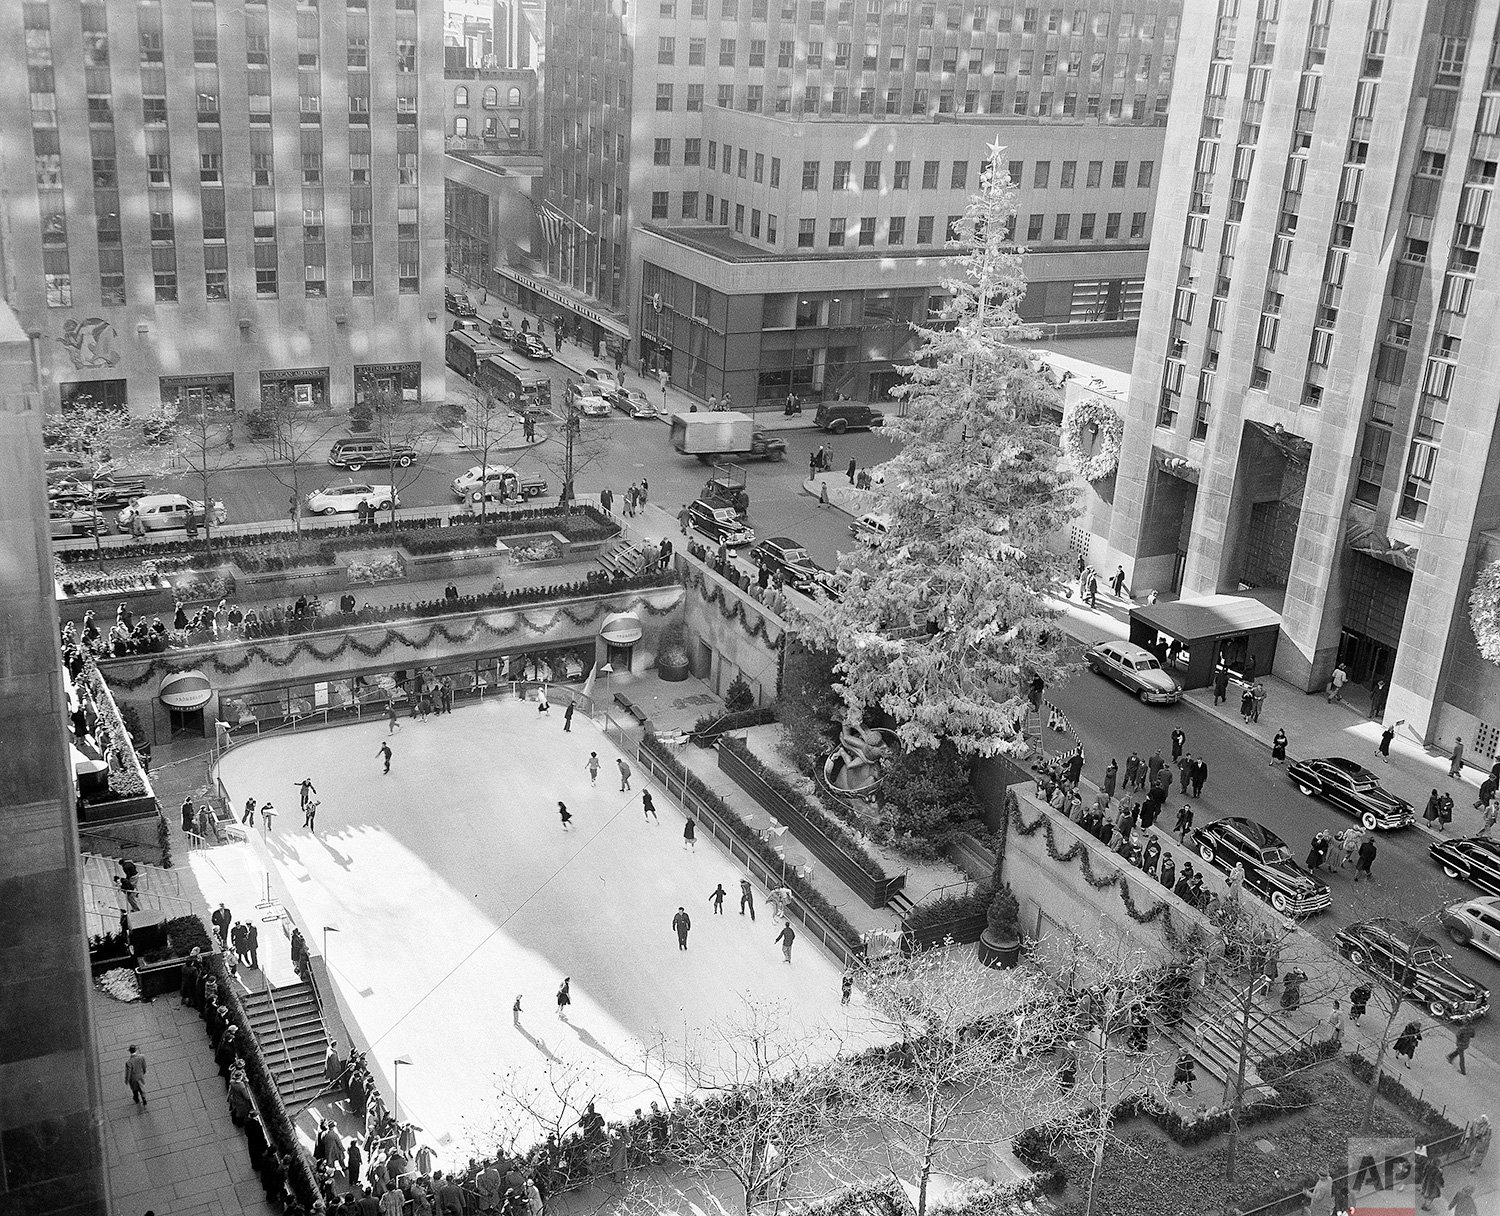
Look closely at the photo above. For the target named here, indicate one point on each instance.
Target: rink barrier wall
(840, 940)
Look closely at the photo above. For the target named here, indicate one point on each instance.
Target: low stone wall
(740, 635)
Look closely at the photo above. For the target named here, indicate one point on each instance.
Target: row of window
(490, 98)
(816, 55)
(1003, 17)
(463, 128)
(815, 99)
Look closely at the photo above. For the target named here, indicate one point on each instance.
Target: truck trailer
(723, 433)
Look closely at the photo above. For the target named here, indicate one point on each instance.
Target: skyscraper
(212, 200)
(759, 191)
(1312, 411)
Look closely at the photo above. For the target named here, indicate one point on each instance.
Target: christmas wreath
(1098, 416)
(1484, 612)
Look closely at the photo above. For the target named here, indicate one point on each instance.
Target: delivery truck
(723, 433)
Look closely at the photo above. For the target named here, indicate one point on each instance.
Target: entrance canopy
(621, 629)
(1210, 617)
(1193, 637)
(185, 690)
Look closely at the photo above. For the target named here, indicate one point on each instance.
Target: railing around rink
(709, 821)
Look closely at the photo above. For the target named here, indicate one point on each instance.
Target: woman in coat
(1406, 1043)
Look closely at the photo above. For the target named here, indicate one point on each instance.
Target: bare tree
(287, 435)
(577, 446)
(489, 427)
(969, 1071)
(203, 435)
(399, 426)
(103, 441)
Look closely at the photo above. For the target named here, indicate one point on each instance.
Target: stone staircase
(1211, 1028)
(156, 890)
(625, 559)
(289, 1027)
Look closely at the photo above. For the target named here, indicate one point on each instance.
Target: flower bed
(127, 580)
(381, 568)
(127, 778)
(537, 551)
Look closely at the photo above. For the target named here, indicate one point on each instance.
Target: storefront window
(189, 394)
(304, 387)
(388, 386)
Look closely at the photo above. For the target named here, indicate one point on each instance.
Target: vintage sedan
(106, 492)
(606, 383)
(720, 524)
(1475, 922)
(1271, 872)
(784, 556)
(527, 343)
(1474, 859)
(67, 522)
(336, 500)
(1401, 954)
(1136, 669)
(1353, 789)
(635, 403)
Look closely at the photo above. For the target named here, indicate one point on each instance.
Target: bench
(634, 710)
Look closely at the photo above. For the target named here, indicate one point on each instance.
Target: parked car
(354, 452)
(66, 522)
(635, 403)
(606, 382)
(527, 343)
(1271, 872)
(339, 499)
(784, 556)
(1474, 859)
(160, 512)
(1134, 668)
(1475, 922)
(468, 325)
(870, 526)
(106, 492)
(841, 416)
(1353, 789)
(720, 524)
(475, 476)
(584, 396)
(501, 331)
(1397, 951)
(505, 489)
(458, 303)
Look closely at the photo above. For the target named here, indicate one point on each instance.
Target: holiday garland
(732, 608)
(1098, 416)
(1484, 612)
(394, 637)
(1158, 911)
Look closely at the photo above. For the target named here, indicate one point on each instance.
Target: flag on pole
(550, 219)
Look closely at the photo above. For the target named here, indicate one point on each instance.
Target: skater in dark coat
(566, 816)
(689, 836)
(681, 923)
(747, 897)
(717, 898)
(568, 718)
(564, 998)
(648, 808)
(385, 753)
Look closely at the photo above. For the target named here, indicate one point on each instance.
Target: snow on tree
(944, 623)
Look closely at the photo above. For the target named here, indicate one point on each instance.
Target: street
(1241, 782)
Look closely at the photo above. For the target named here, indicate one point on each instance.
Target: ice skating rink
(454, 889)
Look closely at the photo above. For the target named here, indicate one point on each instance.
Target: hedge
(946, 908)
(814, 812)
(708, 728)
(799, 886)
(279, 1129)
(581, 522)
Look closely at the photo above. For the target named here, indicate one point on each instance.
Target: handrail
(178, 907)
(144, 867)
(286, 1051)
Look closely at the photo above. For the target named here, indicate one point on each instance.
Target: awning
(621, 629)
(568, 299)
(185, 690)
(1212, 616)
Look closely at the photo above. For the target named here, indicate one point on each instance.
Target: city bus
(524, 390)
(465, 351)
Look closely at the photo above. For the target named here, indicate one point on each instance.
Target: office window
(930, 174)
(893, 101)
(867, 101)
(725, 99)
(216, 272)
(1122, 172)
(1086, 226)
(809, 175)
(896, 233)
(959, 178)
(757, 52)
(760, 167)
(754, 223)
(755, 98)
(1112, 226)
(743, 164)
(783, 99)
(785, 51)
(770, 228)
(1040, 173)
(841, 175)
(1060, 225)
(775, 173)
(807, 231)
(153, 111)
(840, 100)
(872, 175)
(952, 229)
(836, 228)
(1144, 172)
(919, 101)
(1069, 172)
(695, 51)
(1033, 227)
(694, 98)
(658, 204)
(1022, 103)
(924, 229)
(664, 97)
(692, 151)
(661, 152)
(726, 52)
(867, 230)
(902, 178)
(739, 217)
(1138, 223)
(1096, 173)
(666, 50)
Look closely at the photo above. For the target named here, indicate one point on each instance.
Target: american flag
(552, 220)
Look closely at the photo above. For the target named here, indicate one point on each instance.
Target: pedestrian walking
(717, 898)
(1408, 1041)
(1132, 770)
(1110, 775)
(648, 808)
(542, 704)
(1184, 823)
(690, 836)
(568, 719)
(566, 816)
(1221, 684)
(747, 897)
(1179, 744)
(681, 923)
(684, 517)
(624, 774)
(1462, 1203)
(1257, 700)
(786, 937)
(1430, 1186)
(135, 1075)
(1154, 767)
(822, 494)
(1090, 586)
(1317, 853)
(592, 764)
(1476, 1142)
(392, 722)
(1359, 998)
(564, 999)
(1336, 683)
(1247, 703)
(1278, 749)
(1456, 760)
(1367, 851)
(1117, 582)
(1199, 776)
(1185, 1071)
(385, 754)
(1461, 1040)
(221, 918)
(1433, 809)
(1383, 748)
(849, 472)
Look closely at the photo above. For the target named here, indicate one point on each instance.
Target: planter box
(159, 977)
(962, 930)
(142, 806)
(369, 556)
(289, 584)
(99, 964)
(526, 539)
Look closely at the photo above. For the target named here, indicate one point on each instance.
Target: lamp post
(327, 929)
(396, 1093)
(608, 670)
